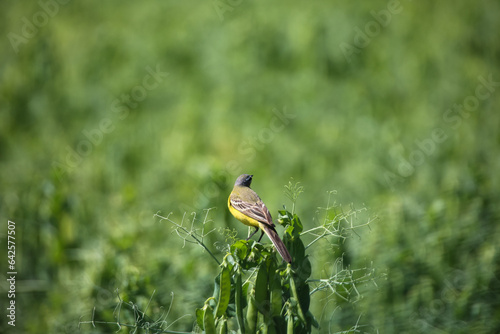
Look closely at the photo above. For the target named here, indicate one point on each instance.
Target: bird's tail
(280, 246)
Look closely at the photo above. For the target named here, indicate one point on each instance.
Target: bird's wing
(256, 210)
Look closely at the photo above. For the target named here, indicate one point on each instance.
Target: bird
(246, 206)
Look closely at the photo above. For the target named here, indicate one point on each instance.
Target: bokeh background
(113, 111)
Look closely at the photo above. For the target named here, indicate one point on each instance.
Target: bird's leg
(261, 235)
(251, 235)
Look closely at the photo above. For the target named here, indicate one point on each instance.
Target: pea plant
(256, 292)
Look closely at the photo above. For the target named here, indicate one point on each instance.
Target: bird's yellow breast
(240, 216)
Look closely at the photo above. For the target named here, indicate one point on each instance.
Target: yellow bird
(246, 206)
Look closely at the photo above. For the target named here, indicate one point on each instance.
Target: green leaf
(296, 248)
(200, 312)
(303, 269)
(304, 297)
(240, 249)
(312, 320)
(284, 218)
(297, 224)
(256, 252)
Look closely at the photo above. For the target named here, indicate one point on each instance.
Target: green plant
(256, 291)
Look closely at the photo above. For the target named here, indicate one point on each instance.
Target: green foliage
(276, 293)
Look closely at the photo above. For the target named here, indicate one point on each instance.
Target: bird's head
(244, 180)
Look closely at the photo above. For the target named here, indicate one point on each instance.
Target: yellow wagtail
(246, 206)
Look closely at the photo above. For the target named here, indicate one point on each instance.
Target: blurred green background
(113, 111)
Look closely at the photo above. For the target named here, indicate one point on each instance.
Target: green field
(111, 112)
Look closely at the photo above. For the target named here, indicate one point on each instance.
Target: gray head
(244, 180)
